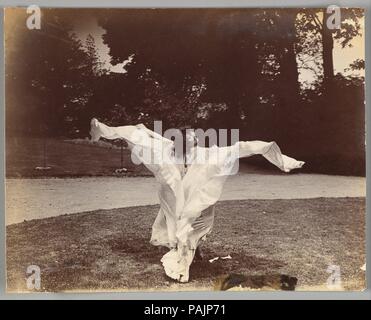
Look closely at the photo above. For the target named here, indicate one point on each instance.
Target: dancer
(190, 184)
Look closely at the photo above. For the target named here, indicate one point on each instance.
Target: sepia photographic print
(185, 149)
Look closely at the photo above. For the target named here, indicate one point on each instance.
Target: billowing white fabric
(187, 203)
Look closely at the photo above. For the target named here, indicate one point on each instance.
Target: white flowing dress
(187, 201)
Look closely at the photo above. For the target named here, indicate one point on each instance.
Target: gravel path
(28, 199)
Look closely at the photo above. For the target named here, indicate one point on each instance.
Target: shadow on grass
(240, 262)
(143, 252)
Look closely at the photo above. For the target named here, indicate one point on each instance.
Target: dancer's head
(190, 138)
(188, 141)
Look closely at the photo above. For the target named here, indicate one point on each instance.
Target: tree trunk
(289, 74)
(328, 45)
(288, 82)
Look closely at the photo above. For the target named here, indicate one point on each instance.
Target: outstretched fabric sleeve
(270, 151)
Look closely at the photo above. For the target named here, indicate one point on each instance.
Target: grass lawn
(110, 250)
(66, 159)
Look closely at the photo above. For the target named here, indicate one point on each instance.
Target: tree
(92, 54)
(48, 75)
(317, 40)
